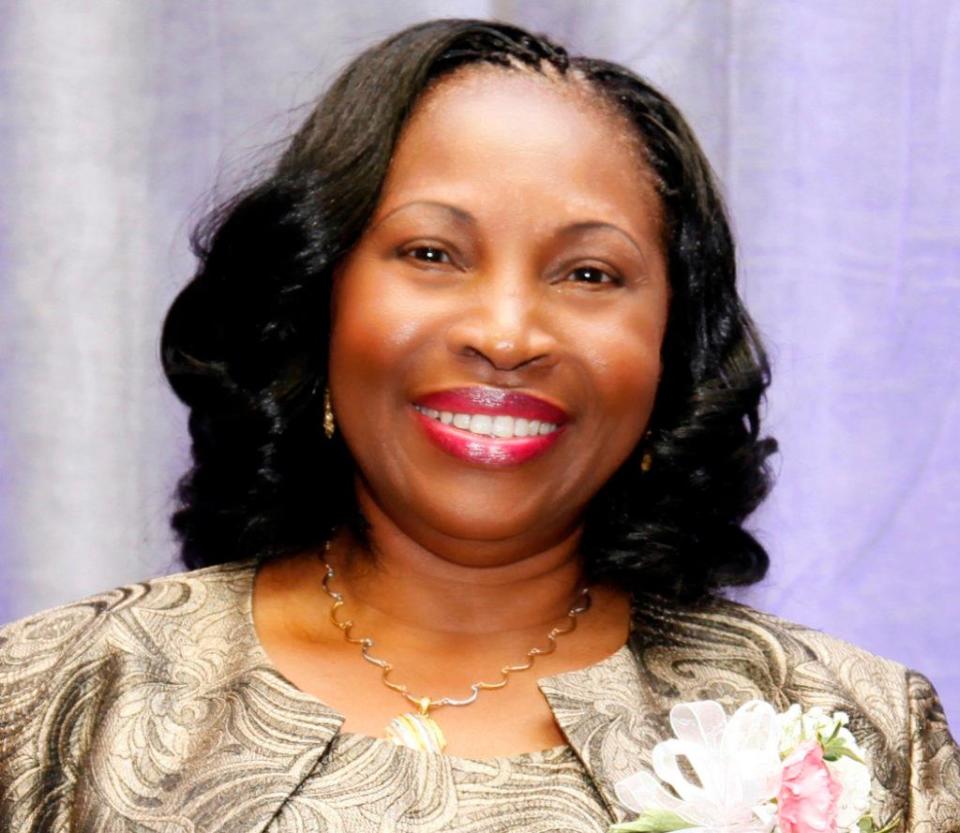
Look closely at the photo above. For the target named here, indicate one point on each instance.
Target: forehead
(520, 135)
(520, 89)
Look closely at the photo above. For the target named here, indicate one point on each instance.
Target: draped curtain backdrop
(832, 126)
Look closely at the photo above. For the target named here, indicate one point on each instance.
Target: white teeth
(480, 424)
(502, 427)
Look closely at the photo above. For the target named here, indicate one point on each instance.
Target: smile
(486, 425)
(489, 426)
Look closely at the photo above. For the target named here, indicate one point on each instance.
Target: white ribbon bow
(737, 763)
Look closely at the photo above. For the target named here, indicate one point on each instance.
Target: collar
(608, 712)
(615, 712)
(612, 713)
(601, 710)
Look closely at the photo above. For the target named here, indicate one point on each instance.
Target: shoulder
(74, 647)
(115, 710)
(68, 673)
(730, 652)
(775, 653)
(173, 601)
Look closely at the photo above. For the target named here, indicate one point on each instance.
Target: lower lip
(488, 451)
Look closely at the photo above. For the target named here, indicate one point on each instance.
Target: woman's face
(512, 281)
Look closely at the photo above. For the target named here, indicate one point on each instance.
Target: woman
(473, 398)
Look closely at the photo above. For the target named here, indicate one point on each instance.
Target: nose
(504, 323)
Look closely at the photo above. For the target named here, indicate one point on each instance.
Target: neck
(457, 588)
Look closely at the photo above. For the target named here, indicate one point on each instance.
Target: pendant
(417, 731)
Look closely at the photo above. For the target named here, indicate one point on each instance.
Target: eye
(427, 254)
(594, 275)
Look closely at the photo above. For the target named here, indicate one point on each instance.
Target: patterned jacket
(154, 708)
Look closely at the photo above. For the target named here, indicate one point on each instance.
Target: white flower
(791, 729)
(797, 726)
(737, 763)
(854, 802)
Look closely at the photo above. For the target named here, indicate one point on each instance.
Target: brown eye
(428, 254)
(594, 275)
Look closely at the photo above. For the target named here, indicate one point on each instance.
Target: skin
(517, 244)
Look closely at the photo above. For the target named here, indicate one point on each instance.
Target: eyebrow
(591, 225)
(458, 214)
(466, 218)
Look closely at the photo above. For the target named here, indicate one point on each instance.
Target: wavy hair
(245, 343)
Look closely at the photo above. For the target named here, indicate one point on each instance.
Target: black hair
(245, 344)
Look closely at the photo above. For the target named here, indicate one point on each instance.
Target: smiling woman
(474, 408)
(529, 214)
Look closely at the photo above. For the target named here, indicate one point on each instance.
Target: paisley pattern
(154, 708)
(368, 784)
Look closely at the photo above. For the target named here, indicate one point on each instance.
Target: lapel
(202, 732)
(602, 711)
(613, 713)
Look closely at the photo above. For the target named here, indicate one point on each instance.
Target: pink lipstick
(490, 426)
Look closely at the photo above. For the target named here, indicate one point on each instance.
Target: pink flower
(807, 800)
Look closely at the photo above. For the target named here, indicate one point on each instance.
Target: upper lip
(494, 401)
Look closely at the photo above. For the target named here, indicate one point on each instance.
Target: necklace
(418, 730)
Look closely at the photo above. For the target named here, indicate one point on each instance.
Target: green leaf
(652, 821)
(890, 826)
(868, 825)
(836, 749)
(846, 752)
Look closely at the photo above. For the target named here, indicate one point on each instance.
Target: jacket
(153, 708)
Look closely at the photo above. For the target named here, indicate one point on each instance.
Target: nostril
(505, 360)
(503, 345)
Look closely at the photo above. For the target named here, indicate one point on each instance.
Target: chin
(504, 520)
(499, 533)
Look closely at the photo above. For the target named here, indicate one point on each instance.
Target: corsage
(756, 772)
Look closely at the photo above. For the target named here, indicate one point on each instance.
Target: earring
(329, 425)
(646, 459)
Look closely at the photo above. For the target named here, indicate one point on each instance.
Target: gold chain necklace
(418, 730)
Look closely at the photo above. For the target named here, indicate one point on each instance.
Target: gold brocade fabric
(369, 784)
(153, 708)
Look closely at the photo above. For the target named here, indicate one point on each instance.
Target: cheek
(622, 357)
(626, 387)
(367, 339)
(380, 332)
(373, 324)
(623, 351)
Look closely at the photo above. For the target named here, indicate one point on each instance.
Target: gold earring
(646, 459)
(329, 425)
